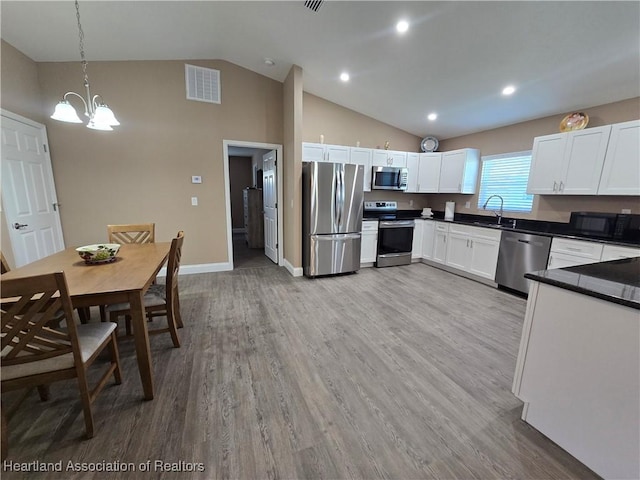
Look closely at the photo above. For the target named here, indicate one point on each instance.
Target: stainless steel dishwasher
(521, 253)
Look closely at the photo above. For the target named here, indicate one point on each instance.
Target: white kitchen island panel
(578, 373)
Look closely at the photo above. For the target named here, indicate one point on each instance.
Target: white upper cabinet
(362, 156)
(546, 163)
(568, 163)
(319, 152)
(423, 172)
(429, 173)
(413, 169)
(459, 171)
(584, 157)
(313, 152)
(389, 158)
(337, 154)
(621, 171)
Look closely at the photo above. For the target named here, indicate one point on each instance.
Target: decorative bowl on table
(98, 253)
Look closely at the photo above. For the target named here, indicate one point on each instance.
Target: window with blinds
(506, 175)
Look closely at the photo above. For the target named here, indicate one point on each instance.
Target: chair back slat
(132, 233)
(29, 305)
(173, 265)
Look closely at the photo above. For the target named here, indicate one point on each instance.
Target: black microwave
(389, 178)
(620, 226)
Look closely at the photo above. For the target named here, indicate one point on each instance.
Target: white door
(28, 192)
(270, 201)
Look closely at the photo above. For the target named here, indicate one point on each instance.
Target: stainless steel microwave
(389, 178)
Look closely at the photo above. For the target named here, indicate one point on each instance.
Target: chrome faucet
(499, 215)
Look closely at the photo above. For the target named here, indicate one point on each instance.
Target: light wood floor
(402, 373)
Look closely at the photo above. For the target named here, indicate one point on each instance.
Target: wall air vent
(203, 84)
(314, 4)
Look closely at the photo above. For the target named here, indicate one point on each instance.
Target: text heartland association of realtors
(104, 466)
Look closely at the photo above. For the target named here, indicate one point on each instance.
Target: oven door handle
(397, 224)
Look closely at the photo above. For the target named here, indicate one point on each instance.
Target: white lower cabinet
(418, 230)
(428, 232)
(474, 250)
(566, 252)
(484, 257)
(440, 242)
(369, 241)
(458, 253)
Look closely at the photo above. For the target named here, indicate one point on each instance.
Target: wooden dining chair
(128, 233)
(159, 301)
(34, 354)
(4, 265)
(132, 233)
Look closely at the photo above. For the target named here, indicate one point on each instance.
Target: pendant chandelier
(100, 115)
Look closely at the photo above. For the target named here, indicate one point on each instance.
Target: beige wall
(19, 93)
(19, 89)
(520, 137)
(240, 177)
(341, 126)
(141, 172)
(293, 112)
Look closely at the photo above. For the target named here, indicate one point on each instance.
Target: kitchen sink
(490, 225)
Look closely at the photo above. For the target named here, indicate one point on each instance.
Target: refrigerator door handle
(342, 194)
(336, 200)
(337, 237)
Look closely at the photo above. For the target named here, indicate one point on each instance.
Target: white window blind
(506, 175)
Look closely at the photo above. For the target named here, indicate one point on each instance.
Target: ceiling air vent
(314, 4)
(203, 84)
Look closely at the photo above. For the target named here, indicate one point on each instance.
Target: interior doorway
(254, 221)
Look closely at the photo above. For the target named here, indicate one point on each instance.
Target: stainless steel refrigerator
(332, 201)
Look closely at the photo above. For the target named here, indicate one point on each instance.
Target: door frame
(5, 222)
(264, 146)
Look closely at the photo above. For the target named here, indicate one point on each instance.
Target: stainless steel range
(395, 235)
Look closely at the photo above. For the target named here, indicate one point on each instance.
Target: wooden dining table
(124, 280)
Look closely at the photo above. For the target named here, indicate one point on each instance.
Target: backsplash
(545, 207)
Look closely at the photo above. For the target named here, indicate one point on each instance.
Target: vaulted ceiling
(454, 60)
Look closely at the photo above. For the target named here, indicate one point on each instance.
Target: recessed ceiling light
(269, 61)
(402, 26)
(344, 76)
(432, 116)
(508, 90)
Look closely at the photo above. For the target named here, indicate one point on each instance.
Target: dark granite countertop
(617, 281)
(537, 227)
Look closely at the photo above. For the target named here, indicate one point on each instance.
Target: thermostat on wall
(196, 179)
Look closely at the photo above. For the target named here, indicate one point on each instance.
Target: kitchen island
(578, 367)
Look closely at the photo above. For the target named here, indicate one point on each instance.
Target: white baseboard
(295, 271)
(201, 268)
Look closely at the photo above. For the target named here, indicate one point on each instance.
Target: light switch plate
(196, 179)
(194, 201)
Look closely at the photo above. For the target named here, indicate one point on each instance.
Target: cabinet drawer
(577, 248)
(615, 252)
(476, 232)
(442, 227)
(369, 226)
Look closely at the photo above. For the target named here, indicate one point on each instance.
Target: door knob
(18, 226)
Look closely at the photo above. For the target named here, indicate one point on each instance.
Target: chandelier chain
(81, 38)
